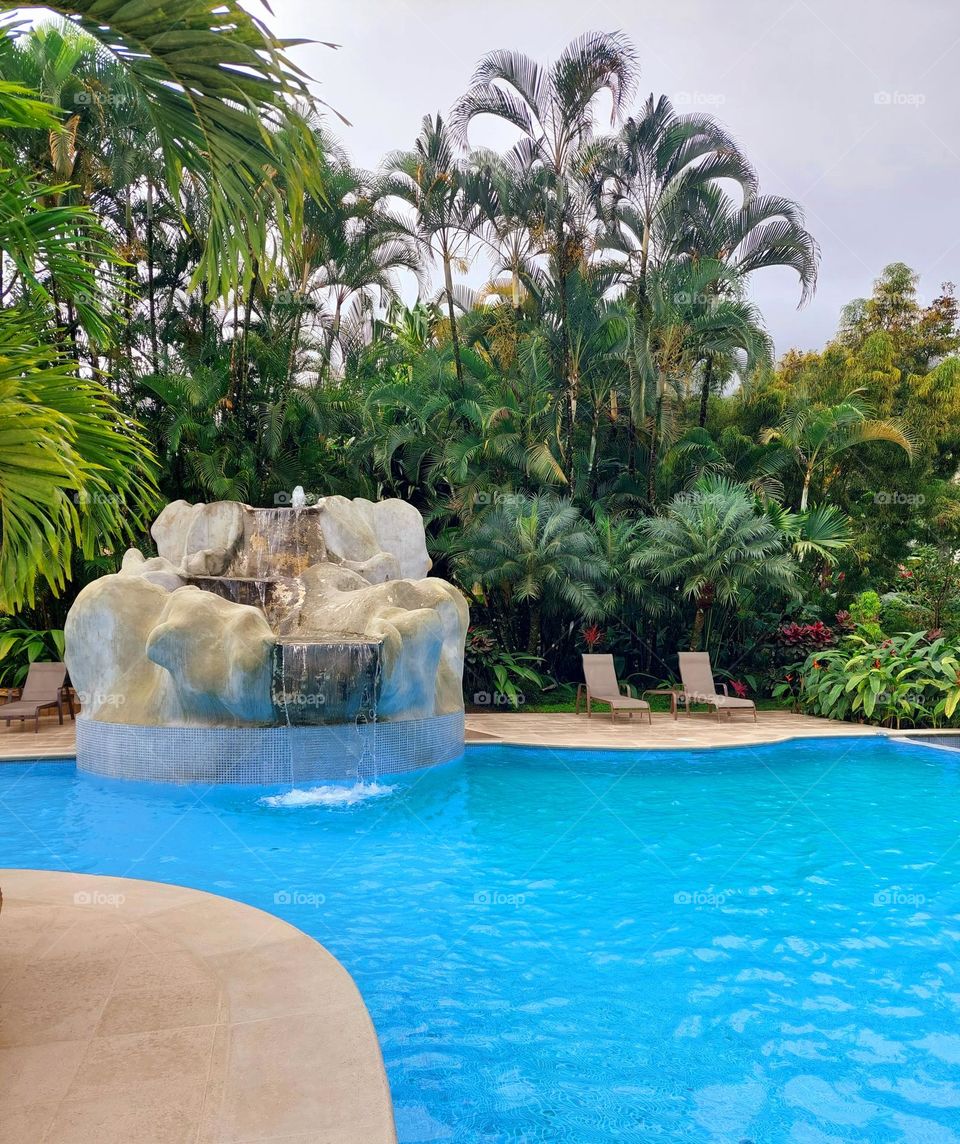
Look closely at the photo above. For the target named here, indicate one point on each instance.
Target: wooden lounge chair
(604, 687)
(696, 675)
(43, 689)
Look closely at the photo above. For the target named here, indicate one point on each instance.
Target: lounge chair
(604, 687)
(43, 689)
(696, 675)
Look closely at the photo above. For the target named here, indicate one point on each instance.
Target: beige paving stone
(137, 1060)
(36, 1019)
(152, 1113)
(27, 1124)
(686, 732)
(215, 926)
(280, 978)
(178, 968)
(51, 742)
(127, 1020)
(283, 1064)
(164, 1007)
(38, 1074)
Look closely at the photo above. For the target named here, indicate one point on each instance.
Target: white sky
(796, 82)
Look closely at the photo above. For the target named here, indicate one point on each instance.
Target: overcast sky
(849, 108)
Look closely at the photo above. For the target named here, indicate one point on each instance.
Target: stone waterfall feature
(270, 645)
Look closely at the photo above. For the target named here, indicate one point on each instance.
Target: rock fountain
(270, 646)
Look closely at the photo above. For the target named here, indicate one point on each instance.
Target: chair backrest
(696, 674)
(44, 681)
(600, 674)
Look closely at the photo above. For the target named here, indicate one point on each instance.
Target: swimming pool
(716, 946)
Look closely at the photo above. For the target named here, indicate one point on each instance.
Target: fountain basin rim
(267, 755)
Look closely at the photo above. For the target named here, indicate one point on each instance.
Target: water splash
(329, 795)
(299, 498)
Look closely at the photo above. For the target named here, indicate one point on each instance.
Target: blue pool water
(740, 945)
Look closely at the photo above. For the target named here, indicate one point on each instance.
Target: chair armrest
(723, 688)
(629, 690)
(10, 694)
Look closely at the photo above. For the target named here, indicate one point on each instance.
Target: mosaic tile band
(266, 755)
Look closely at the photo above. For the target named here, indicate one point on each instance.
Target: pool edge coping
(491, 741)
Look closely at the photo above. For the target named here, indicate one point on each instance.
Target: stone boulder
(184, 638)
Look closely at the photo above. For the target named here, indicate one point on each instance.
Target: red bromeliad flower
(739, 688)
(593, 635)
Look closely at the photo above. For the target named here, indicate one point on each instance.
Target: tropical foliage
(551, 350)
(905, 680)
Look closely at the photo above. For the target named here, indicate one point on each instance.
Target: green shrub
(904, 679)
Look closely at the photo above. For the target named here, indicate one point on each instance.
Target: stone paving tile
(688, 732)
(51, 742)
(175, 1017)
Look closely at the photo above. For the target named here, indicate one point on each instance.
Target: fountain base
(267, 756)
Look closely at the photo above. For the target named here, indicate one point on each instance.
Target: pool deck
(687, 731)
(532, 730)
(20, 741)
(132, 1011)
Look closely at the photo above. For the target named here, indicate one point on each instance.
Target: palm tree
(555, 109)
(815, 437)
(446, 199)
(535, 551)
(688, 320)
(714, 546)
(224, 102)
(514, 202)
(654, 167)
(217, 88)
(347, 256)
(74, 474)
(764, 230)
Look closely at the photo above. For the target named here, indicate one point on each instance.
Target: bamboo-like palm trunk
(454, 339)
(705, 386)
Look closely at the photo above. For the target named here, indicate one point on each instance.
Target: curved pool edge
(261, 1029)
